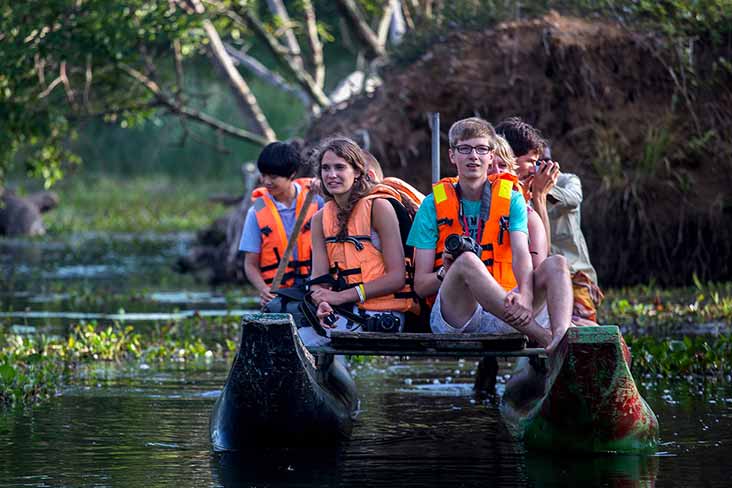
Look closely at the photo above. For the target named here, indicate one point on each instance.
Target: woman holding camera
(356, 241)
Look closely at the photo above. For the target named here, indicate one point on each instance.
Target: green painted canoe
(586, 399)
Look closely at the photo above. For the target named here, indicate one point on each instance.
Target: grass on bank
(154, 203)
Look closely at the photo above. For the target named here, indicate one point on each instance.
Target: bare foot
(556, 339)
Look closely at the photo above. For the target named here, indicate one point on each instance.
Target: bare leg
(553, 284)
(467, 282)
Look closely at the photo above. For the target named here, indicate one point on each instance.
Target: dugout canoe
(586, 400)
(277, 394)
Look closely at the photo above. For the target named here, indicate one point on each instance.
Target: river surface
(419, 424)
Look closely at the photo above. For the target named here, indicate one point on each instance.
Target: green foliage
(35, 367)
(142, 204)
(700, 355)
(652, 310)
(60, 60)
(26, 376)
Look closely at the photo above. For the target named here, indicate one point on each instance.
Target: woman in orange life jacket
(355, 225)
(271, 219)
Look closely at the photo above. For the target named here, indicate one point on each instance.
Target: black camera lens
(389, 323)
(330, 319)
(453, 243)
(456, 244)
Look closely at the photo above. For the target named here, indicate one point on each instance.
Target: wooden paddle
(291, 242)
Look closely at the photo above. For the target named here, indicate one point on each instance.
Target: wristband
(361, 293)
(441, 273)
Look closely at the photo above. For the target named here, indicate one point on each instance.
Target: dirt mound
(620, 108)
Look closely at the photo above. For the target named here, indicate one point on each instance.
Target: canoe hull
(276, 396)
(586, 401)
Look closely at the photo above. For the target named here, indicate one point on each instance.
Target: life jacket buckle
(503, 226)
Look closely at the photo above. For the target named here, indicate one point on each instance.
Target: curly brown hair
(350, 152)
(522, 137)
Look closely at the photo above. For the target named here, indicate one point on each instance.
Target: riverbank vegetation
(650, 309)
(662, 327)
(141, 204)
(35, 367)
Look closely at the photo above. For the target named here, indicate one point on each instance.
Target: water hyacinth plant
(35, 367)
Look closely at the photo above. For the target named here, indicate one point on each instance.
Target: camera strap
(481, 221)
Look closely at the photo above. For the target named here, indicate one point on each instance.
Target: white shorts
(481, 322)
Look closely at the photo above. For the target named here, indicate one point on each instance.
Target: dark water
(149, 427)
(418, 426)
(47, 284)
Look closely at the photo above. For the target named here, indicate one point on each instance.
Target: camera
(456, 244)
(382, 322)
(546, 156)
(330, 319)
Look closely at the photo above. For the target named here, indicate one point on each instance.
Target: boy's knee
(467, 262)
(557, 264)
(551, 268)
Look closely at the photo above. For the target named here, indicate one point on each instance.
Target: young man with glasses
(492, 289)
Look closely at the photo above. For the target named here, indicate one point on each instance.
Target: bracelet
(441, 273)
(361, 291)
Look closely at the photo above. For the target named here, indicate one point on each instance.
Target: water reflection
(278, 467)
(548, 470)
(149, 427)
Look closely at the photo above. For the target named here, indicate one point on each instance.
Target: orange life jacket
(353, 259)
(274, 237)
(495, 239)
(410, 197)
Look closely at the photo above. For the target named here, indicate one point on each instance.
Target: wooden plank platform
(404, 344)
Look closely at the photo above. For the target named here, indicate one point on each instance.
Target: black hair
(522, 137)
(279, 158)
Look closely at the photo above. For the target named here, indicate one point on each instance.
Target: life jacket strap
(355, 240)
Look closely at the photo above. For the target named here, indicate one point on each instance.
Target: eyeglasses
(467, 149)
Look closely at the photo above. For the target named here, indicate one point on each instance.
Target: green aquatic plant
(700, 355)
(33, 367)
(109, 344)
(650, 309)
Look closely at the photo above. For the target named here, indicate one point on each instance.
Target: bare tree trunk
(383, 30)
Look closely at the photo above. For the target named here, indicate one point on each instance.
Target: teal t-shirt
(424, 233)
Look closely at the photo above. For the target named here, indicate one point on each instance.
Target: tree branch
(278, 9)
(67, 85)
(87, 80)
(282, 55)
(316, 47)
(266, 74)
(382, 32)
(50, 88)
(179, 80)
(241, 89)
(191, 113)
(364, 33)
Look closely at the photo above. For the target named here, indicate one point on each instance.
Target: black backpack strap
(310, 311)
